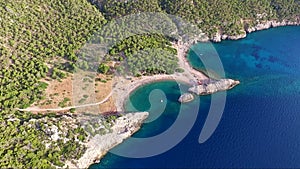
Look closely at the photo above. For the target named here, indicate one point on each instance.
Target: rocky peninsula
(208, 87)
(212, 86)
(99, 145)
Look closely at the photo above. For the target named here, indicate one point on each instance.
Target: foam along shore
(99, 145)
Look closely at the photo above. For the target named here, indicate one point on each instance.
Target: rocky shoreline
(128, 124)
(261, 26)
(99, 145)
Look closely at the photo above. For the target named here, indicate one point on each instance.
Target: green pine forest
(41, 39)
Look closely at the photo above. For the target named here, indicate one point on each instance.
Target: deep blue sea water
(260, 126)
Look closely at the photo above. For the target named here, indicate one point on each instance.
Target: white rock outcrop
(270, 24)
(99, 145)
(185, 98)
(262, 25)
(236, 37)
(214, 86)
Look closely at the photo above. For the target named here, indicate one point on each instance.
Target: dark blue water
(260, 127)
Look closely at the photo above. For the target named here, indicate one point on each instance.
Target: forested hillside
(145, 55)
(34, 33)
(41, 39)
(228, 16)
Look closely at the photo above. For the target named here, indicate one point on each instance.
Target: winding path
(66, 108)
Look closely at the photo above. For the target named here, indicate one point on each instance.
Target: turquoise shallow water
(261, 121)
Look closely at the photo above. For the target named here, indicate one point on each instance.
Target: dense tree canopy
(33, 33)
(145, 55)
(229, 16)
(41, 38)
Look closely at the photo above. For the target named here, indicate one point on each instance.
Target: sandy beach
(122, 86)
(116, 93)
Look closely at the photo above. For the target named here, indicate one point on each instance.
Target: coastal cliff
(99, 145)
(219, 36)
(271, 24)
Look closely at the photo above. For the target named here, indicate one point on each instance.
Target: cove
(261, 120)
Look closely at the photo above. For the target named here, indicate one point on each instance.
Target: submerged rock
(185, 98)
(213, 86)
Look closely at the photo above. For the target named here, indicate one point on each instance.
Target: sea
(260, 124)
